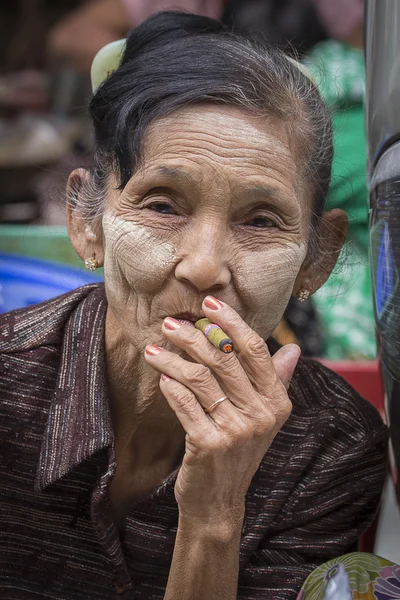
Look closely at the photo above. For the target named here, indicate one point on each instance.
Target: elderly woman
(138, 458)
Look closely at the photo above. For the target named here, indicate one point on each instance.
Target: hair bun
(167, 26)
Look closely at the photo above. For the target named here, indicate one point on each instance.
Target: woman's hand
(223, 448)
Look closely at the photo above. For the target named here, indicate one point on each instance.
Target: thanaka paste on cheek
(265, 282)
(134, 257)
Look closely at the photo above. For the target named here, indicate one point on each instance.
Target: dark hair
(176, 59)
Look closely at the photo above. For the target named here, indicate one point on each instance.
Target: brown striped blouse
(315, 491)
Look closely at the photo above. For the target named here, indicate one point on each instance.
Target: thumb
(285, 361)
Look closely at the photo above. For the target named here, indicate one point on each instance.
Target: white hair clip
(105, 62)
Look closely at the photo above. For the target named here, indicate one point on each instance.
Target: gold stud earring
(91, 263)
(303, 295)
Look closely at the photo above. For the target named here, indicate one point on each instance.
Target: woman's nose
(204, 262)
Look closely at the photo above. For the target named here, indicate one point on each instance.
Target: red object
(365, 377)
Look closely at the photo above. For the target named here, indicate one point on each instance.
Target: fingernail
(172, 324)
(165, 377)
(212, 303)
(153, 350)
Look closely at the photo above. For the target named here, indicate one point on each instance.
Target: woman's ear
(86, 238)
(332, 231)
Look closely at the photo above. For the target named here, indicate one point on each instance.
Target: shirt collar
(79, 422)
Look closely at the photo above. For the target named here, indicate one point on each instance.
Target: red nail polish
(212, 303)
(171, 324)
(153, 350)
(165, 377)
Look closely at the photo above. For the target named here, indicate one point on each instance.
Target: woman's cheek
(134, 257)
(265, 281)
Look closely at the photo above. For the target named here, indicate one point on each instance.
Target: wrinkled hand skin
(224, 448)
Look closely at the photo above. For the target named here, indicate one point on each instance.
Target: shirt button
(120, 585)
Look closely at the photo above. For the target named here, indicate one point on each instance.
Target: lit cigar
(214, 333)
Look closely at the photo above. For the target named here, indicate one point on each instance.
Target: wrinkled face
(216, 208)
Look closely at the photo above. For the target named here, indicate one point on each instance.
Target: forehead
(223, 133)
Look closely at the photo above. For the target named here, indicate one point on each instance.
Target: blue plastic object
(25, 281)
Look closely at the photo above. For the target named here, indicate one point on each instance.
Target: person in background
(77, 39)
(293, 25)
(33, 137)
(344, 304)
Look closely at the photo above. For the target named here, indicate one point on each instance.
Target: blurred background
(46, 50)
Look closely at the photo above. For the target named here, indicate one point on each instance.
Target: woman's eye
(161, 207)
(260, 222)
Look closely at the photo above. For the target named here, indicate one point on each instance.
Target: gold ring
(215, 404)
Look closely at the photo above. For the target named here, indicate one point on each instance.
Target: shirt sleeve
(331, 498)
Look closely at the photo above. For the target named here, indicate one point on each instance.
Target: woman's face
(218, 207)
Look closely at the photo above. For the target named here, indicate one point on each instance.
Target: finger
(197, 378)
(285, 361)
(186, 407)
(226, 367)
(251, 349)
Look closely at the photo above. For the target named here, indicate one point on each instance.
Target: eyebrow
(175, 173)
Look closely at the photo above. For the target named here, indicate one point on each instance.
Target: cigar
(215, 335)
